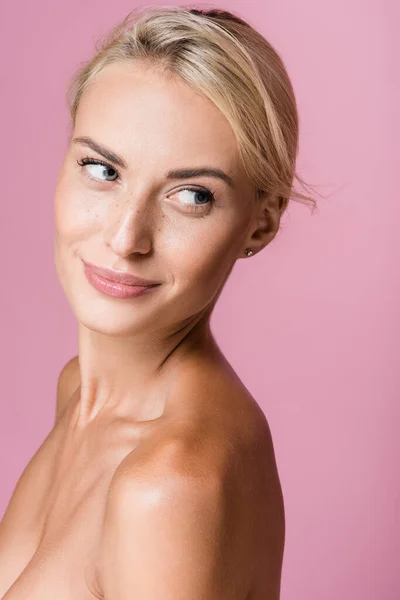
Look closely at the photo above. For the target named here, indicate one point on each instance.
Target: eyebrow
(174, 174)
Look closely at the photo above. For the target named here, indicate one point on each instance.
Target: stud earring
(249, 252)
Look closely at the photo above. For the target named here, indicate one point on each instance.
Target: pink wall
(317, 340)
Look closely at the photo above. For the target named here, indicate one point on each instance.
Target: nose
(130, 227)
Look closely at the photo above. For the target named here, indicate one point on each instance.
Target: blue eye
(208, 196)
(102, 169)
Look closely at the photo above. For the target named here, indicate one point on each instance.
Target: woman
(159, 480)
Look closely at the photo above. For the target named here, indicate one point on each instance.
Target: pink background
(311, 324)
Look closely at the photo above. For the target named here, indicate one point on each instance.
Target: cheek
(199, 270)
(76, 211)
(202, 257)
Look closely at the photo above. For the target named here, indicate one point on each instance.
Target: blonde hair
(227, 60)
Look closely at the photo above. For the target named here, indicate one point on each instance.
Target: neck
(130, 375)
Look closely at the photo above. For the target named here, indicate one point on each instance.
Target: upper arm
(163, 537)
(68, 382)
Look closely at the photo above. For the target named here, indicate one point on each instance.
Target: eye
(206, 197)
(99, 169)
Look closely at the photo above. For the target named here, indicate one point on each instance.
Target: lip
(120, 276)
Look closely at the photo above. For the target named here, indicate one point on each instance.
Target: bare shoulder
(168, 526)
(197, 489)
(218, 428)
(68, 382)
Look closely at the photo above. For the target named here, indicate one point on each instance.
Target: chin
(109, 319)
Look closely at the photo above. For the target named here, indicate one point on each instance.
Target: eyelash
(94, 161)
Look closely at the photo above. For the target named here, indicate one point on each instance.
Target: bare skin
(159, 478)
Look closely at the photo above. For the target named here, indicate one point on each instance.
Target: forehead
(135, 109)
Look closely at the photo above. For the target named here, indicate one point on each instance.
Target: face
(183, 231)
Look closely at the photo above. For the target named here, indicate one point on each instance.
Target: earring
(249, 252)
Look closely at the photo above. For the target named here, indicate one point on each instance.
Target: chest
(51, 532)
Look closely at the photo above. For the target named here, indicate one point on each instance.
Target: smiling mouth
(116, 288)
(119, 276)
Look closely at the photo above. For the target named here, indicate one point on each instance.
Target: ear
(266, 221)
